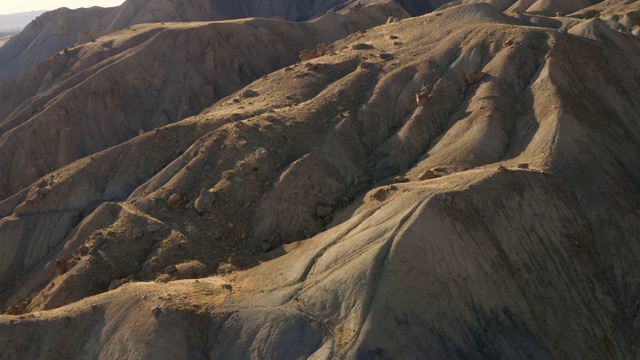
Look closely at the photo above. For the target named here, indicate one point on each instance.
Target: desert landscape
(322, 179)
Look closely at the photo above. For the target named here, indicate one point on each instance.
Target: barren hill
(456, 185)
(56, 30)
(143, 78)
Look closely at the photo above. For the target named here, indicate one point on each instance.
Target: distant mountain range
(19, 20)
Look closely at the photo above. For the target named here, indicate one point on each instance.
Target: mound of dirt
(455, 185)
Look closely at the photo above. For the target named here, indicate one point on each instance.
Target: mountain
(54, 31)
(461, 184)
(18, 21)
(60, 124)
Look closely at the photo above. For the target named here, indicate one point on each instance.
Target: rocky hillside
(462, 184)
(178, 69)
(56, 30)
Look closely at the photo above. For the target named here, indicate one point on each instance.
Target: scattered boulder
(175, 200)
(473, 77)
(138, 233)
(323, 211)
(523, 166)
(62, 266)
(428, 175)
(153, 227)
(248, 93)
(392, 19)
(261, 153)
(170, 269)
(82, 250)
(379, 194)
(362, 46)
(401, 179)
(320, 50)
(422, 96)
(266, 246)
(385, 56)
(204, 202)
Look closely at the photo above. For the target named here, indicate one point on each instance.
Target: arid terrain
(330, 179)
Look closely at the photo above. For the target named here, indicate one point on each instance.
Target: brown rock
(175, 200)
(473, 77)
(322, 49)
(266, 246)
(401, 179)
(378, 194)
(422, 96)
(82, 250)
(362, 46)
(204, 202)
(249, 93)
(61, 266)
(427, 175)
(307, 55)
(523, 166)
(323, 211)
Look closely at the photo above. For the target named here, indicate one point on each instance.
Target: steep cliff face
(456, 185)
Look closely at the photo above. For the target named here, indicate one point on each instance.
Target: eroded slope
(513, 237)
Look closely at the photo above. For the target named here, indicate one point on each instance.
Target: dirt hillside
(57, 30)
(100, 94)
(462, 184)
